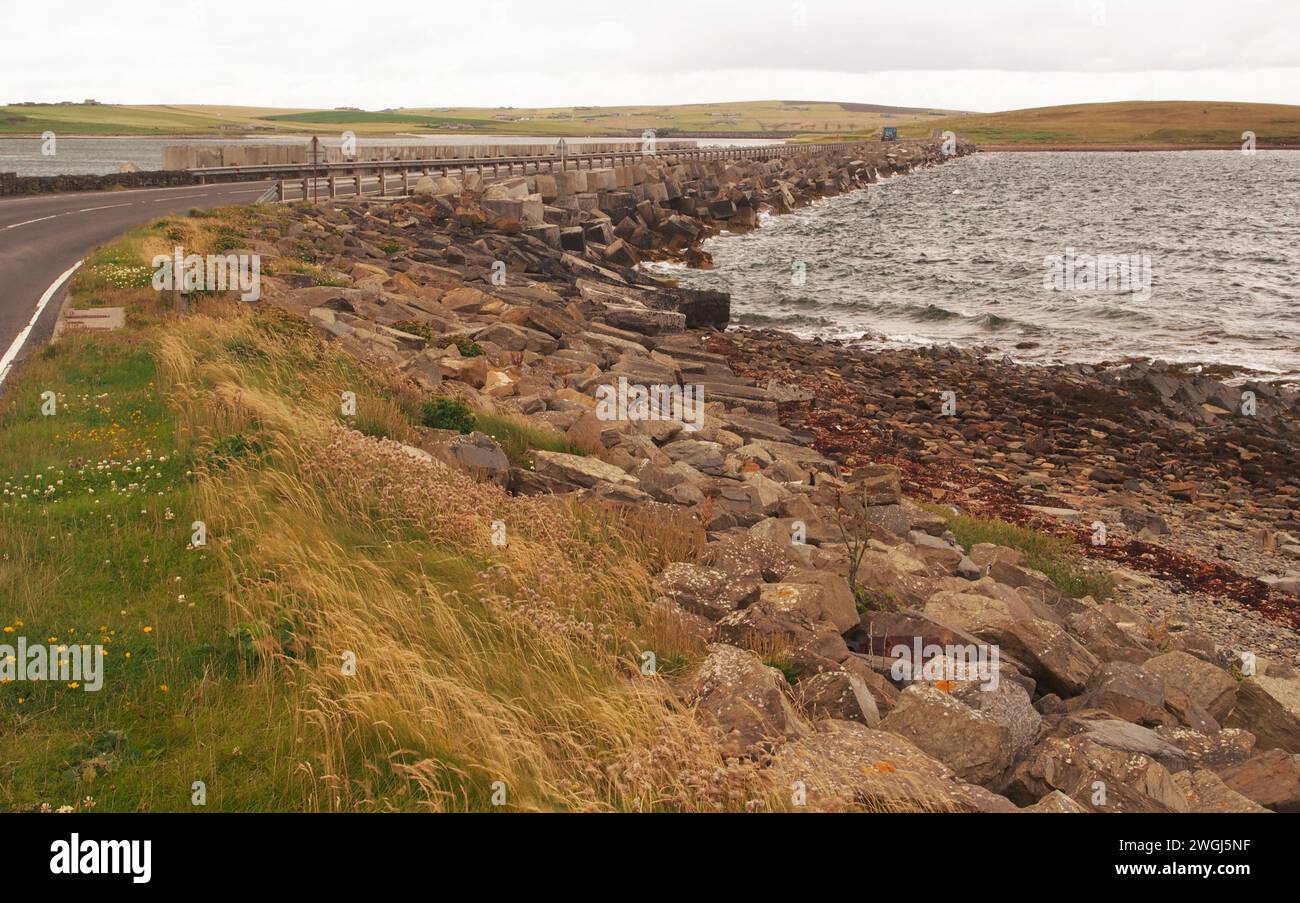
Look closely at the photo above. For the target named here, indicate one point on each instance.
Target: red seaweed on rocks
(872, 407)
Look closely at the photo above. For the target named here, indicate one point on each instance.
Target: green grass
(477, 661)
(318, 275)
(518, 439)
(1052, 555)
(94, 526)
(466, 346)
(447, 414)
(414, 327)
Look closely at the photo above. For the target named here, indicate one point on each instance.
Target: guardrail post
(306, 190)
(333, 187)
(279, 189)
(357, 177)
(406, 181)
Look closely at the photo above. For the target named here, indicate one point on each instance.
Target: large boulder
(1131, 692)
(745, 503)
(1106, 639)
(748, 555)
(1057, 803)
(876, 484)
(974, 745)
(476, 453)
(706, 591)
(430, 186)
(1056, 659)
(1125, 737)
(748, 702)
(836, 603)
(1009, 704)
(1097, 777)
(844, 765)
(516, 338)
(579, 470)
(708, 457)
(1206, 792)
(1269, 707)
(1229, 746)
(1194, 688)
(985, 616)
(1271, 779)
(839, 694)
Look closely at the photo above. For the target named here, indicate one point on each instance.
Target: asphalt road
(42, 237)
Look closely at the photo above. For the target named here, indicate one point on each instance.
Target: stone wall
(49, 184)
(195, 156)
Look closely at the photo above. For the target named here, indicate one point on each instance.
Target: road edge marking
(28, 222)
(7, 362)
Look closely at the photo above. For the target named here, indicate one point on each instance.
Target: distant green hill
(1129, 122)
(784, 117)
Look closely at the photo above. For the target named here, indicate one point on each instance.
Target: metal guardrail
(377, 171)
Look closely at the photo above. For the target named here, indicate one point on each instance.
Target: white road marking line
(180, 197)
(7, 362)
(26, 222)
(86, 194)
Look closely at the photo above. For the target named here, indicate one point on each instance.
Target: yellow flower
(164, 688)
(148, 630)
(9, 630)
(73, 685)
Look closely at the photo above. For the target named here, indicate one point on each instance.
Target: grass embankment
(349, 637)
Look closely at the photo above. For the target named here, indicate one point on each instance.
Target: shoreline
(1120, 148)
(1230, 374)
(1133, 399)
(816, 507)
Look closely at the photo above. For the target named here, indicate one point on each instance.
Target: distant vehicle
(890, 133)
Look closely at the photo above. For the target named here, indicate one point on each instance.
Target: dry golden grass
(475, 664)
(359, 640)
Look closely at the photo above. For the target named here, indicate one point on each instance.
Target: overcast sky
(973, 55)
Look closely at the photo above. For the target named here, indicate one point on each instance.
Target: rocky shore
(830, 485)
